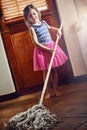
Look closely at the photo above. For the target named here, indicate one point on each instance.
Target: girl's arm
(35, 40)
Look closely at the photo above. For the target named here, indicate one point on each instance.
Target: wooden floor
(71, 107)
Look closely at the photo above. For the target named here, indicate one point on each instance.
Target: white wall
(6, 83)
(69, 16)
(81, 31)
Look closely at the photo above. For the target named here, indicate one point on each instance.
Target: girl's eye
(34, 14)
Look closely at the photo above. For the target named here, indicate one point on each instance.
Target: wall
(68, 14)
(6, 83)
(81, 31)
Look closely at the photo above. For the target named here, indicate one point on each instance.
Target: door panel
(23, 49)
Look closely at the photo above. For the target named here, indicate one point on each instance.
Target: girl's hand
(59, 33)
(51, 50)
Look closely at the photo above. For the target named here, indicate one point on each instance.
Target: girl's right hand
(51, 50)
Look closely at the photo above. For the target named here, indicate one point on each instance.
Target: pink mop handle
(49, 69)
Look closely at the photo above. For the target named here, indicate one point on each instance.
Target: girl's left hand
(59, 33)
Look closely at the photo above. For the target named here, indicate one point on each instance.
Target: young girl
(44, 47)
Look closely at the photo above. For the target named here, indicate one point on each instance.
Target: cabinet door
(23, 50)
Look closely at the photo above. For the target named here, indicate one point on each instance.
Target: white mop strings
(35, 118)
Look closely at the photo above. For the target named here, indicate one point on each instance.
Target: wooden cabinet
(19, 49)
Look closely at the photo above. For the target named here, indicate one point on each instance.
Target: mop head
(35, 118)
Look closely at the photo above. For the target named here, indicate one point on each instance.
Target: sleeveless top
(42, 32)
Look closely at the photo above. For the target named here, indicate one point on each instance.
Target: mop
(38, 117)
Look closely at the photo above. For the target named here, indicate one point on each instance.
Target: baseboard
(80, 79)
(8, 96)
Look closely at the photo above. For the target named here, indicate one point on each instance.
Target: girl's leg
(48, 89)
(55, 82)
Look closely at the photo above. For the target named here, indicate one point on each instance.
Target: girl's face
(33, 16)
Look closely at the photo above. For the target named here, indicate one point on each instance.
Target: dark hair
(27, 9)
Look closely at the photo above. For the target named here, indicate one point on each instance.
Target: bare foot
(58, 93)
(47, 96)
